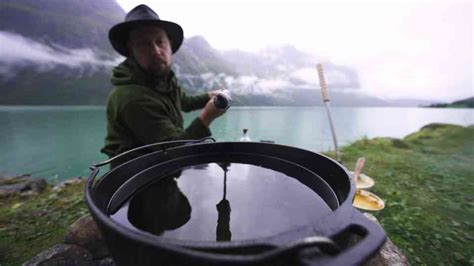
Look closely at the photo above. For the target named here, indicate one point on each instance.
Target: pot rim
(200, 249)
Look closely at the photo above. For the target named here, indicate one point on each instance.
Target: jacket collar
(162, 83)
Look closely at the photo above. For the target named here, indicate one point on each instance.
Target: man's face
(151, 48)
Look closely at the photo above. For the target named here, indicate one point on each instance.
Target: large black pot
(342, 237)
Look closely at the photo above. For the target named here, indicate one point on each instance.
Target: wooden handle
(359, 165)
(322, 83)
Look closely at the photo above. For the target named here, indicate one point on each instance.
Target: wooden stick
(325, 92)
(359, 165)
(322, 83)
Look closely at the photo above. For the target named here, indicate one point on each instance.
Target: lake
(59, 142)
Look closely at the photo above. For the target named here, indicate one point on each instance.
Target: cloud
(338, 79)
(247, 80)
(18, 51)
(403, 48)
(305, 75)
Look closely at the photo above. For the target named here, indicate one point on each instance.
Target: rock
(72, 181)
(85, 233)
(389, 254)
(28, 193)
(105, 262)
(37, 185)
(18, 185)
(9, 180)
(62, 254)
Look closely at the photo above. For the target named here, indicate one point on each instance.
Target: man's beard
(158, 71)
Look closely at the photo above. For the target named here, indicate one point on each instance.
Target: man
(145, 105)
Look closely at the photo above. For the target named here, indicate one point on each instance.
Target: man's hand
(210, 112)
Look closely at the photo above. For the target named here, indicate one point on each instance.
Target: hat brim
(118, 34)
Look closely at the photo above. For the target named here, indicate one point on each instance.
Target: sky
(400, 49)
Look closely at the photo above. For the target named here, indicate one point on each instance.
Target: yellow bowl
(364, 181)
(365, 200)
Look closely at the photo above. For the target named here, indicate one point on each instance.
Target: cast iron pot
(343, 237)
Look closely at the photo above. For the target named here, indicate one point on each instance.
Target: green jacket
(143, 110)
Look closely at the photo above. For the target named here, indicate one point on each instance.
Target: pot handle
(371, 235)
(273, 253)
(333, 254)
(95, 168)
(163, 143)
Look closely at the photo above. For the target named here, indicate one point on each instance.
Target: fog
(400, 49)
(18, 51)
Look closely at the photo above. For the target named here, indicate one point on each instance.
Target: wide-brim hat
(140, 16)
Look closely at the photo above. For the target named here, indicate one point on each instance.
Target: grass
(29, 226)
(426, 180)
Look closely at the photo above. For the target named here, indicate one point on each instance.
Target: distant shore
(466, 103)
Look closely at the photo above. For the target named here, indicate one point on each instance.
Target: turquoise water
(62, 142)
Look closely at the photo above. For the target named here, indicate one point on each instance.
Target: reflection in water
(264, 203)
(159, 207)
(223, 232)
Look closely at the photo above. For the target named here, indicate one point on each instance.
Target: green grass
(426, 180)
(29, 226)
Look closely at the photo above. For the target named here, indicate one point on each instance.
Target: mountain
(274, 76)
(57, 52)
(72, 24)
(53, 50)
(196, 56)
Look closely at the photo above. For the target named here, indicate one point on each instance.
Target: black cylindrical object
(325, 241)
(223, 99)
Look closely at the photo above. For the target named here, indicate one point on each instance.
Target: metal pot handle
(95, 168)
(273, 253)
(373, 237)
(333, 254)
